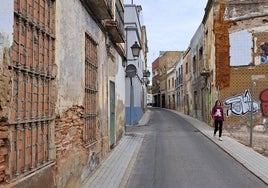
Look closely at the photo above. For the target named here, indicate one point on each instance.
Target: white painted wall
(241, 48)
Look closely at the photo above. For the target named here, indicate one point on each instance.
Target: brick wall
(222, 49)
(72, 155)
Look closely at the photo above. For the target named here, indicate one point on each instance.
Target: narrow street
(175, 154)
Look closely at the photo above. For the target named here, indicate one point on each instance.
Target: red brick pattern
(222, 50)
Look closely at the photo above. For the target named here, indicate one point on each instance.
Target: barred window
(91, 85)
(33, 108)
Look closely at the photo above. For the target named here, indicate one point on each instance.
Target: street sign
(131, 70)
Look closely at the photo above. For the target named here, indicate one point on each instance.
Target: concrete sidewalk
(114, 171)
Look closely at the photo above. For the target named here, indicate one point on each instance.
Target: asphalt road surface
(174, 154)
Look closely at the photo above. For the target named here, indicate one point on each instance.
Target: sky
(170, 24)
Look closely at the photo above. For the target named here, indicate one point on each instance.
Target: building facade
(196, 84)
(136, 85)
(179, 105)
(226, 60)
(156, 83)
(167, 59)
(62, 89)
(235, 39)
(171, 94)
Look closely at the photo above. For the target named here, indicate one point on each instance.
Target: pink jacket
(217, 113)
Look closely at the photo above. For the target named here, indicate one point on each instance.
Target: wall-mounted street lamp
(135, 49)
(146, 73)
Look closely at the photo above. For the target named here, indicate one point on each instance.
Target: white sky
(170, 24)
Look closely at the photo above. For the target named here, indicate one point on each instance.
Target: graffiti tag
(264, 102)
(241, 104)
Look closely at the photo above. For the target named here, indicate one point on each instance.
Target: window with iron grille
(32, 110)
(91, 85)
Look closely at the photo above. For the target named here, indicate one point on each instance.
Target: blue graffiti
(241, 104)
(264, 52)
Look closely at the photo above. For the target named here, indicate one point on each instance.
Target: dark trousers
(218, 126)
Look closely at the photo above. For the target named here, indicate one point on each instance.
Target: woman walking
(217, 115)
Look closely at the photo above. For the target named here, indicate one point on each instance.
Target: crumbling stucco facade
(247, 32)
(61, 66)
(235, 37)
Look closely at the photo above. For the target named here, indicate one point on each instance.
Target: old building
(167, 59)
(163, 91)
(171, 94)
(235, 58)
(248, 67)
(195, 83)
(179, 105)
(156, 82)
(187, 84)
(213, 65)
(62, 89)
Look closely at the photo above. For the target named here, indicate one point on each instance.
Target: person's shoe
(220, 139)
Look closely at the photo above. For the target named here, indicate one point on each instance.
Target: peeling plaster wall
(210, 59)
(74, 161)
(73, 23)
(187, 86)
(73, 158)
(120, 99)
(116, 73)
(245, 9)
(196, 81)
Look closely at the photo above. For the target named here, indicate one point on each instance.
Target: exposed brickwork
(69, 132)
(222, 49)
(240, 80)
(71, 153)
(241, 77)
(34, 146)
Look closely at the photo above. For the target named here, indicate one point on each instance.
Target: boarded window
(32, 111)
(91, 85)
